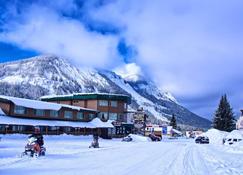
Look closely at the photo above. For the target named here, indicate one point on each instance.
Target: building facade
(112, 107)
(239, 123)
(22, 115)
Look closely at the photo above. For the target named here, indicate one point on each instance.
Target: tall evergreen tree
(173, 122)
(224, 117)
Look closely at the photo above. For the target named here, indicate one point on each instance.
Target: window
(113, 103)
(113, 116)
(39, 112)
(68, 114)
(103, 103)
(91, 116)
(19, 110)
(103, 115)
(53, 113)
(80, 115)
(125, 106)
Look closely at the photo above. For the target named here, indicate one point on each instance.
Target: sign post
(139, 119)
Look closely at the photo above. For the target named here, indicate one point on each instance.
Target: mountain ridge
(49, 74)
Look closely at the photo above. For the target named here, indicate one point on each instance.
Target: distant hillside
(48, 75)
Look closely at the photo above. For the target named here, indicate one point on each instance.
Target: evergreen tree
(173, 122)
(224, 117)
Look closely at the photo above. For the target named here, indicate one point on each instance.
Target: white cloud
(44, 30)
(131, 71)
(190, 48)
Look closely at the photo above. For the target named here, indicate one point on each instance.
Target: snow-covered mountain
(48, 75)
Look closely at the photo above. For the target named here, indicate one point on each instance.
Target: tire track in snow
(193, 162)
(219, 164)
(174, 164)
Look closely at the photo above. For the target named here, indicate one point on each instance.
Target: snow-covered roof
(95, 123)
(176, 131)
(1, 112)
(235, 134)
(85, 96)
(36, 104)
(92, 93)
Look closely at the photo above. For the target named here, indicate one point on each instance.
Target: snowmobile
(33, 148)
(95, 142)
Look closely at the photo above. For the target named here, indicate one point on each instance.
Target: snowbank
(138, 138)
(215, 136)
(235, 134)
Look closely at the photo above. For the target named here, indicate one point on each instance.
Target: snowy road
(70, 155)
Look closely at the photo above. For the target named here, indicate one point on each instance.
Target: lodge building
(109, 107)
(80, 114)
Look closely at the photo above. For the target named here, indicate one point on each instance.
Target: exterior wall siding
(79, 103)
(5, 107)
(120, 109)
(92, 104)
(8, 108)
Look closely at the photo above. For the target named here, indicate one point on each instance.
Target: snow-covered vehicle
(233, 137)
(202, 140)
(33, 148)
(127, 139)
(231, 141)
(154, 138)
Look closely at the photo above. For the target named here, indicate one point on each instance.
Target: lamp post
(144, 122)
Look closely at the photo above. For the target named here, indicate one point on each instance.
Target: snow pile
(139, 138)
(215, 136)
(239, 144)
(235, 134)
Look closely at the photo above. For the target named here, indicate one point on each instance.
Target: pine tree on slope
(224, 117)
(173, 122)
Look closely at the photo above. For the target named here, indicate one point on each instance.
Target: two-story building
(19, 115)
(110, 107)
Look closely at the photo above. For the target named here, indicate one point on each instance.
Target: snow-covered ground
(70, 155)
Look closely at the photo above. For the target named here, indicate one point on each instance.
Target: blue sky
(192, 49)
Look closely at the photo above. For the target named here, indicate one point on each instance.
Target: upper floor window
(40, 112)
(113, 116)
(113, 103)
(68, 114)
(103, 103)
(19, 110)
(80, 115)
(125, 106)
(53, 113)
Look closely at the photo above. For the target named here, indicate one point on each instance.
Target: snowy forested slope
(48, 75)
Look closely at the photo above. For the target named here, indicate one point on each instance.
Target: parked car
(202, 140)
(153, 137)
